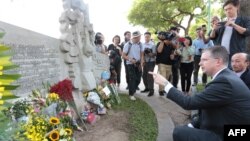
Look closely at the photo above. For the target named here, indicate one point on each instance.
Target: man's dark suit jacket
(225, 100)
(245, 77)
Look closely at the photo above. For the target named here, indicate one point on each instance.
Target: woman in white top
(186, 67)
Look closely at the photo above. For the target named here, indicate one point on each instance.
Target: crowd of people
(220, 53)
(225, 100)
(174, 55)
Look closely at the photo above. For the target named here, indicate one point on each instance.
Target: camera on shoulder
(162, 35)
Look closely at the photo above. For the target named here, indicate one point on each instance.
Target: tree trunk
(245, 11)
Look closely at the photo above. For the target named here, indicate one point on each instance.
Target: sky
(107, 16)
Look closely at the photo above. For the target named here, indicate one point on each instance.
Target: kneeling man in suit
(225, 100)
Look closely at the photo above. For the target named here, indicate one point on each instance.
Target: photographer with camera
(116, 57)
(149, 65)
(214, 22)
(133, 53)
(199, 45)
(176, 55)
(164, 57)
(127, 38)
(232, 33)
(99, 43)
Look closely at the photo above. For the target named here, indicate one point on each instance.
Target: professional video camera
(162, 35)
(148, 50)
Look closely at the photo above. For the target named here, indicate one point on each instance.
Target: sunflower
(54, 135)
(54, 121)
(69, 131)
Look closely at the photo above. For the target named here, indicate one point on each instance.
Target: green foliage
(142, 119)
(6, 80)
(7, 129)
(161, 14)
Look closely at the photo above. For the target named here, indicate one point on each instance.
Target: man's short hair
(233, 2)
(198, 28)
(147, 33)
(216, 18)
(219, 52)
(174, 28)
(125, 33)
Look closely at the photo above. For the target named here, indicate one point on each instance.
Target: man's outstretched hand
(159, 79)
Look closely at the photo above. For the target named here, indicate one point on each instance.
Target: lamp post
(209, 14)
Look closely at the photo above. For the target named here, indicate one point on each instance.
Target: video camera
(162, 35)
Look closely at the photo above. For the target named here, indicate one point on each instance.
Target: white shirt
(227, 37)
(218, 73)
(240, 73)
(169, 85)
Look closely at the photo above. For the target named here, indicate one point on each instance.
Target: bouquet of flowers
(20, 110)
(64, 90)
(44, 128)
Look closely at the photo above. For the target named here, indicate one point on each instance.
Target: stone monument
(37, 55)
(45, 59)
(77, 45)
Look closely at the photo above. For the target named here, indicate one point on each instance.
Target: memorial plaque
(38, 56)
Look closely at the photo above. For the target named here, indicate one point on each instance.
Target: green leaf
(10, 76)
(3, 48)
(9, 97)
(10, 87)
(8, 67)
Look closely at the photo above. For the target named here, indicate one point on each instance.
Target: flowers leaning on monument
(107, 91)
(43, 128)
(47, 118)
(100, 98)
(64, 90)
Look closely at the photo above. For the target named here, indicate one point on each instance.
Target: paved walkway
(159, 105)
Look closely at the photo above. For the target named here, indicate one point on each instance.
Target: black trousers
(197, 60)
(175, 73)
(185, 133)
(186, 70)
(134, 78)
(118, 72)
(126, 71)
(148, 79)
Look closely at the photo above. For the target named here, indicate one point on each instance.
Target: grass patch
(142, 119)
(200, 87)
